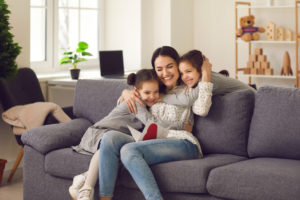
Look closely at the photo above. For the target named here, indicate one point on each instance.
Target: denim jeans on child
(110, 146)
(136, 157)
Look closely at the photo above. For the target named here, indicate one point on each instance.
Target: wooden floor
(14, 189)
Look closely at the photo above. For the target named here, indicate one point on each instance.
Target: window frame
(51, 63)
(42, 66)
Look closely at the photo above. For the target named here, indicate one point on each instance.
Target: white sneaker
(86, 193)
(78, 182)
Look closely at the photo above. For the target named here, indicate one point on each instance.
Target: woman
(181, 147)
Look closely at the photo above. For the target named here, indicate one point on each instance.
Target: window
(38, 12)
(58, 25)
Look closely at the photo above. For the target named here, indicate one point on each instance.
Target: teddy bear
(248, 32)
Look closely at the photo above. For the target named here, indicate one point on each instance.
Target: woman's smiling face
(167, 70)
(189, 74)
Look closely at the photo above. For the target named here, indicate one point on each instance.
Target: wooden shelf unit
(247, 5)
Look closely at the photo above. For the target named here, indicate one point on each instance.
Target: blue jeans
(136, 157)
(109, 154)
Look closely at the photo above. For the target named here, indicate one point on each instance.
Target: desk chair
(23, 89)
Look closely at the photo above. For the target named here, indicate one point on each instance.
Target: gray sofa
(251, 145)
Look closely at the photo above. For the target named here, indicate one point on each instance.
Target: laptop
(111, 64)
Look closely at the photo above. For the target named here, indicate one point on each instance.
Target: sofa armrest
(55, 136)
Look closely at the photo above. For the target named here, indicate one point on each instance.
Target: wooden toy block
(288, 36)
(265, 65)
(247, 70)
(250, 64)
(261, 71)
(257, 65)
(286, 65)
(280, 33)
(252, 57)
(269, 71)
(254, 71)
(262, 58)
(270, 31)
(258, 51)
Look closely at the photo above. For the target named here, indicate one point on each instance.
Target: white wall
(122, 30)
(139, 27)
(214, 32)
(156, 28)
(20, 23)
(182, 25)
(168, 22)
(161, 23)
(147, 33)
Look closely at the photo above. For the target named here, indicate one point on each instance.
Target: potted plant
(75, 57)
(8, 49)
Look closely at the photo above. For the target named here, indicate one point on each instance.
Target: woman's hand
(206, 70)
(130, 97)
(188, 127)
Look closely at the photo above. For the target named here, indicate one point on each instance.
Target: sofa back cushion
(275, 126)
(225, 129)
(94, 99)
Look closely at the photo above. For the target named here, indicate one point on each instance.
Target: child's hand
(206, 70)
(188, 127)
(130, 97)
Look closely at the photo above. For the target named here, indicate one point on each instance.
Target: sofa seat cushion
(187, 176)
(259, 179)
(275, 127)
(66, 163)
(225, 129)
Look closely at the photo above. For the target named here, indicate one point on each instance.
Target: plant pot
(75, 73)
(2, 166)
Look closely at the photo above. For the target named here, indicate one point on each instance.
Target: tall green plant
(8, 49)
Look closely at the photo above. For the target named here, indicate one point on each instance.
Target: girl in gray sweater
(148, 85)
